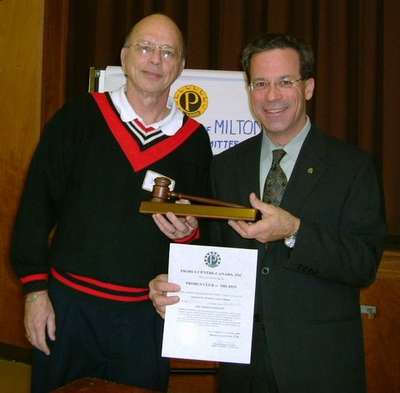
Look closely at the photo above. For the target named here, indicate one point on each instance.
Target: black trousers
(101, 339)
(257, 377)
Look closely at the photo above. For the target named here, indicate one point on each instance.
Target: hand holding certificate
(214, 317)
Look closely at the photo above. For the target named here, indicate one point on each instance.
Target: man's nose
(272, 92)
(155, 56)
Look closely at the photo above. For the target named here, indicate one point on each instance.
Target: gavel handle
(209, 201)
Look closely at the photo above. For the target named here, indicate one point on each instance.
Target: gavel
(162, 193)
(209, 208)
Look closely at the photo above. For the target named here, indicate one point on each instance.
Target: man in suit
(319, 238)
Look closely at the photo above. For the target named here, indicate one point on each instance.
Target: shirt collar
(293, 147)
(169, 125)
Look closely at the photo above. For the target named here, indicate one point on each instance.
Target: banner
(217, 99)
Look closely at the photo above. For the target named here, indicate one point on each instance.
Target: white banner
(217, 99)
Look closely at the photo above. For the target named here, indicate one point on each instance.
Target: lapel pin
(310, 171)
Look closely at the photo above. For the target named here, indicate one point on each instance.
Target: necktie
(276, 180)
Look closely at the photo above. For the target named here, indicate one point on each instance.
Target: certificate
(214, 318)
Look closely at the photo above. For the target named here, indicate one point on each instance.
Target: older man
(87, 311)
(319, 238)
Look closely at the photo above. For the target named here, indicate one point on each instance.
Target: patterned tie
(276, 180)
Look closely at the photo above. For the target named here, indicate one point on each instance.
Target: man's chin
(153, 88)
(274, 127)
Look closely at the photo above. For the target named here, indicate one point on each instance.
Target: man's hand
(174, 227)
(159, 286)
(275, 223)
(39, 319)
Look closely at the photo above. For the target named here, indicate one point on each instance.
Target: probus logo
(192, 100)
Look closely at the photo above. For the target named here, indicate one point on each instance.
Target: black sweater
(82, 183)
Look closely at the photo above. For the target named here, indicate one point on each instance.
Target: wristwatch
(290, 241)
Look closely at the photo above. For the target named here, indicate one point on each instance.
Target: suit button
(265, 270)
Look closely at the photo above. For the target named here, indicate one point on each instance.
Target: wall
(21, 32)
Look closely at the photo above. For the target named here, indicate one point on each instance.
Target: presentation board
(217, 99)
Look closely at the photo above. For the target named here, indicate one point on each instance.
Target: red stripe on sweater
(95, 292)
(34, 277)
(107, 285)
(137, 158)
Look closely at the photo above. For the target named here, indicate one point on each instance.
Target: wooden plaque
(205, 211)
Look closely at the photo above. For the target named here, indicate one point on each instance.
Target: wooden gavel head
(161, 192)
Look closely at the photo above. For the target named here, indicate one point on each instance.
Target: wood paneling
(193, 376)
(20, 80)
(382, 333)
(193, 384)
(55, 40)
(94, 385)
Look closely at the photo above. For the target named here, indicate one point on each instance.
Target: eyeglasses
(282, 84)
(148, 48)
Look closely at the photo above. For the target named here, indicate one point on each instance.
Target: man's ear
(309, 88)
(183, 62)
(122, 57)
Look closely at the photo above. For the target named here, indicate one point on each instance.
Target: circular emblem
(192, 100)
(212, 259)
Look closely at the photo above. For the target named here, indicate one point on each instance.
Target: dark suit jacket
(308, 297)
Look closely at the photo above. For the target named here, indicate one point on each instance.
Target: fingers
(192, 222)
(159, 287)
(39, 319)
(36, 335)
(183, 201)
(161, 223)
(178, 223)
(166, 226)
(258, 204)
(40, 340)
(189, 221)
(241, 227)
(275, 224)
(160, 284)
(161, 301)
(51, 327)
(175, 227)
(254, 201)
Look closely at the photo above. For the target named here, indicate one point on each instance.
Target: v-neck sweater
(85, 180)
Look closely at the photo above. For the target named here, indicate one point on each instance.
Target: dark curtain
(355, 41)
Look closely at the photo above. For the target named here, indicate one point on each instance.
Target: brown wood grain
(55, 45)
(382, 334)
(20, 80)
(193, 384)
(94, 385)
